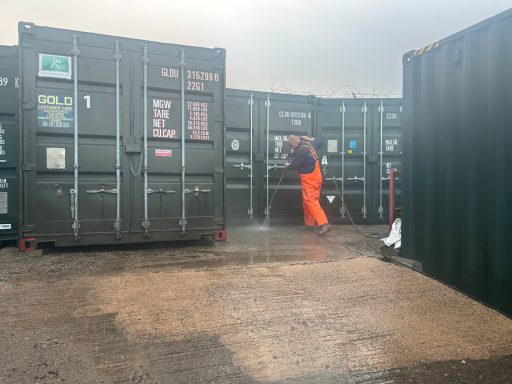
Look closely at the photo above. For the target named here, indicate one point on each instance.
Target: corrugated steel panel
(9, 143)
(457, 133)
(182, 199)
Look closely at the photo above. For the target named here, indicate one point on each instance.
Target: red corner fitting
(220, 235)
(28, 244)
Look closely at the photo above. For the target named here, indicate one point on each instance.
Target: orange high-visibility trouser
(311, 185)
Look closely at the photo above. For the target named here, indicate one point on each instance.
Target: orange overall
(311, 185)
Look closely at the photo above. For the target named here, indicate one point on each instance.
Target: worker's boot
(324, 229)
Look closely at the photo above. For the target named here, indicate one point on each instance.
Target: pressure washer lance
(266, 220)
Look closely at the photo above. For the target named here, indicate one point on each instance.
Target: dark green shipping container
(457, 206)
(9, 143)
(123, 139)
(373, 124)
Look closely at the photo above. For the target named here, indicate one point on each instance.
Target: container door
(53, 169)
(201, 185)
(355, 159)
(9, 144)
(280, 118)
(329, 127)
(390, 140)
(241, 115)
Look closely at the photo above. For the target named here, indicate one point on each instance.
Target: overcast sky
(304, 46)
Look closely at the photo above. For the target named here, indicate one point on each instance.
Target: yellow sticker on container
(349, 151)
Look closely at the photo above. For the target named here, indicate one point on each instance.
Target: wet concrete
(275, 306)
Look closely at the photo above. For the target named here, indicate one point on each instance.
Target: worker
(305, 161)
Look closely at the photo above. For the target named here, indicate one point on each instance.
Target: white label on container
(330, 198)
(235, 145)
(5, 226)
(54, 66)
(56, 158)
(332, 146)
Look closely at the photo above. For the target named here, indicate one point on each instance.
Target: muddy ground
(278, 306)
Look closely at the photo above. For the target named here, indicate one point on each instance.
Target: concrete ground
(278, 306)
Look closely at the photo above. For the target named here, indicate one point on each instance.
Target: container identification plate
(54, 66)
(54, 111)
(56, 158)
(332, 146)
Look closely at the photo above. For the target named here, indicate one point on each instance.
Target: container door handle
(160, 190)
(102, 190)
(334, 178)
(196, 191)
(242, 166)
(276, 166)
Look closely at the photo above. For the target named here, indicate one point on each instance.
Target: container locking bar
(145, 222)
(251, 174)
(183, 220)
(267, 106)
(75, 51)
(365, 111)
(381, 152)
(342, 110)
(117, 222)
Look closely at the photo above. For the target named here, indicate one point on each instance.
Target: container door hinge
(28, 167)
(28, 106)
(219, 119)
(219, 170)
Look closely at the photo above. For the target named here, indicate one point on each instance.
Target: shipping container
(123, 139)
(373, 124)
(457, 208)
(362, 143)
(9, 143)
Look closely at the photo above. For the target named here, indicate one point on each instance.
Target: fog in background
(322, 47)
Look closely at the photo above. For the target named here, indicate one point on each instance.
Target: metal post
(145, 61)
(75, 51)
(267, 106)
(365, 109)
(342, 110)
(117, 222)
(251, 175)
(183, 220)
(381, 152)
